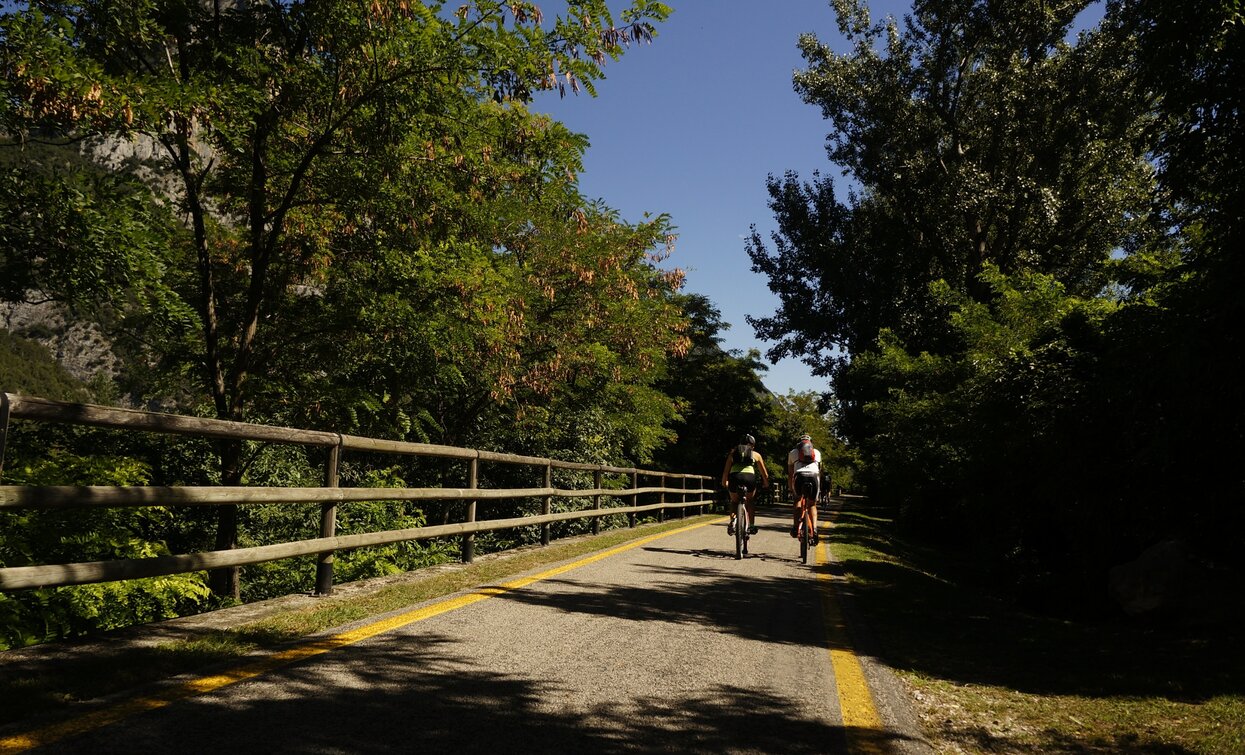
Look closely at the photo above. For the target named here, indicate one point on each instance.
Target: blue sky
(692, 124)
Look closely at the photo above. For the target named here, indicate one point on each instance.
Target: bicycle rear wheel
(804, 536)
(741, 528)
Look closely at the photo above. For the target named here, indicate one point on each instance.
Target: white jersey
(804, 467)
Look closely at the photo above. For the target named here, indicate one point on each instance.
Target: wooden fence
(329, 495)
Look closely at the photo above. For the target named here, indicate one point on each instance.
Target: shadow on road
(768, 609)
(707, 592)
(398, 694)
(724, 554)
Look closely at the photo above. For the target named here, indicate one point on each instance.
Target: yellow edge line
(203, 685)
(855, 700)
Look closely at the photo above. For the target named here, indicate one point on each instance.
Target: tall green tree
(1179, 350)
(980, 141)
(720, 395)
(975, 136)
(800, 412)
(300, 138)
(970, 293)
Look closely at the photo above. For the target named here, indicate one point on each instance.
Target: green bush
(27, 368)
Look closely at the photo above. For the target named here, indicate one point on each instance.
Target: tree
(272, 126)
(977, 137)
(720, 395)
(75, 233)
(981, 141)
(801, 412)
(1180, 348)
(968, 294)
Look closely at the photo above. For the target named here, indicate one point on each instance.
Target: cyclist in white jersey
(804, 479)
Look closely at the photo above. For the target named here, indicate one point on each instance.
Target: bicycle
(741, 520)
(806, 530)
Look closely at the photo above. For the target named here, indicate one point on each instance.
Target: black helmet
(747, 440)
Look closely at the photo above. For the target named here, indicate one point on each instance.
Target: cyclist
(804, 478)
(743, 464)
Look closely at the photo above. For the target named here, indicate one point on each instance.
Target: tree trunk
(226, 582)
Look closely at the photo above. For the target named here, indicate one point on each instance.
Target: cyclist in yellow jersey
(743, 464)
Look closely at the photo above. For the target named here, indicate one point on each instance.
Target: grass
(42, 690)
(987, 677)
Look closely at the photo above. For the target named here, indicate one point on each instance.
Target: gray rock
(79, 346)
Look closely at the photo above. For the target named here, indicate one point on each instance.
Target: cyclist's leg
(797, 507)
(815, 491)
(736, 485)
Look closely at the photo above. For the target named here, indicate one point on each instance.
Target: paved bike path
(668, 644)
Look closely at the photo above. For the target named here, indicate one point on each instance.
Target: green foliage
(33, 537)
(336, 138)
(1035, 290)
(720, 396)
(382, 237)
(28, 368)
(375, 235)
(262, 524)
(36, 616)
(76, 233)
(980, 138)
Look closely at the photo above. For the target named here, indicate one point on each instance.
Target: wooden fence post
(661, 498)
(328, 525)
(635, 497)
(547, 507)
(4, 425)
(469, 540)
(596, 501)
(683, 498)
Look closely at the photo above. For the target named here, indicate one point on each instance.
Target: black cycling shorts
(806, 486)
(745, 481)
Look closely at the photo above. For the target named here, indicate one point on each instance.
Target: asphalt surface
(670, 646)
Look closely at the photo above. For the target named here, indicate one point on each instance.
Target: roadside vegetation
(336, 216)
(26, 367)
(987, 675)
(1032, 279)
(347, 216)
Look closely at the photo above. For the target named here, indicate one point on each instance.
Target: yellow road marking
(855, 700)
(203, 685)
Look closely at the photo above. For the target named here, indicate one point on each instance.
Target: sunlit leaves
(1008, 273)
(372, 232)
(978, 137)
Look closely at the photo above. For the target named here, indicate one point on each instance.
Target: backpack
(743, 453)
(805, 452)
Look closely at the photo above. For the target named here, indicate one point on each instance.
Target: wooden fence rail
(325, 546)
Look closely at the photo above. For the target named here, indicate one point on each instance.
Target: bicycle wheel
(741, 529)
(804, 541)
